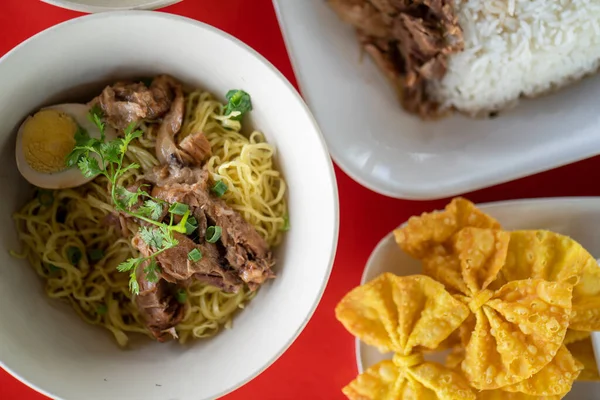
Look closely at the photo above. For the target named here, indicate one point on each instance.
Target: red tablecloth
(322, 359)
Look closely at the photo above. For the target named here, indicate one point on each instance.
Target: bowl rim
(323, 151)
(76, 6)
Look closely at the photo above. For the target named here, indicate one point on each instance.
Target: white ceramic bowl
(393, 153)
(44, 343)
(93, 6)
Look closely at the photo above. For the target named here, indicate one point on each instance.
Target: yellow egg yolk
(48, 137)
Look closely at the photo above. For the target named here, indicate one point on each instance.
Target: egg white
(68, 178)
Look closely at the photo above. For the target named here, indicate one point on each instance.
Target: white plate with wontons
(577, 218)
(510, 48)
(94, 6)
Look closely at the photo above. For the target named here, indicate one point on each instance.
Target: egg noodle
(76, 224)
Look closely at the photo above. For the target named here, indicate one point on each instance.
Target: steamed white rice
(519, 47)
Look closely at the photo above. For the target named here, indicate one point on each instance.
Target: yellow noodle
(77, 218)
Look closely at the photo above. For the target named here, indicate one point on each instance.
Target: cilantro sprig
(97, 156)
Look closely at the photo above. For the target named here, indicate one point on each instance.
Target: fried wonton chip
(482, 253)
(397, 314)
(583, 351)
(470, 261)
(377, 382)
(586, 299)
(421, 234)
(403, 314)
(555, 379)
(408, 378)
(554, 257)
(519, 329)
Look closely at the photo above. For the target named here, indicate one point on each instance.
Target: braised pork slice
(244, 249)
(363, 15)
(177, 267)
(197, 147)
(155, 301)
(193, 150)
(410, 41)
(132, 102)
(127, 102)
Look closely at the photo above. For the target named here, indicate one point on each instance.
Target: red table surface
(321, 361)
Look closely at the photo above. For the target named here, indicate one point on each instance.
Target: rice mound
(515, 48)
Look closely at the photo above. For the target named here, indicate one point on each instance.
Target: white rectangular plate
(391, 152)
(578, 218)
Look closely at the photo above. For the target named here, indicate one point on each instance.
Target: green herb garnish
(151, 209)
(147, 81)
(53, 268)
(96, 254)
(238, 103)
(101, 309)
(181, 296)
(195, 255)
(286, 223)
(99, 157)
(179, 209)
(74, 255)
(152, 270)
(190, 226)
(45, 197)
(219, 188)
(81, 135)
(213, 233)
(95, 116)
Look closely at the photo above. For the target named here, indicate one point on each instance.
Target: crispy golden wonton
(514, 308)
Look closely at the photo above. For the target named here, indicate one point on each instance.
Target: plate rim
(75, 6)
(483, 206)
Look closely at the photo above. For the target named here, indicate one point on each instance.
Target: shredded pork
(239, 257)
(409, 40)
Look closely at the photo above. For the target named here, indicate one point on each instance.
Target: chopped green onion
(74, 255)
(181, 296)
(213, 233)
(190, 225)
(219, 188)
(195, 255)
(53, 268)
(179, 208)
(102, 309)
(147, 81)
(96, 254)
(286, 223)
(238, 103)
(45, 197)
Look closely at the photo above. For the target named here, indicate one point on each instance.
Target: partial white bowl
(577, 217)
(94, 6)
(46, 344)
(393, 153)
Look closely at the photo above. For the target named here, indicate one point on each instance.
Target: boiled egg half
(46, 138)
